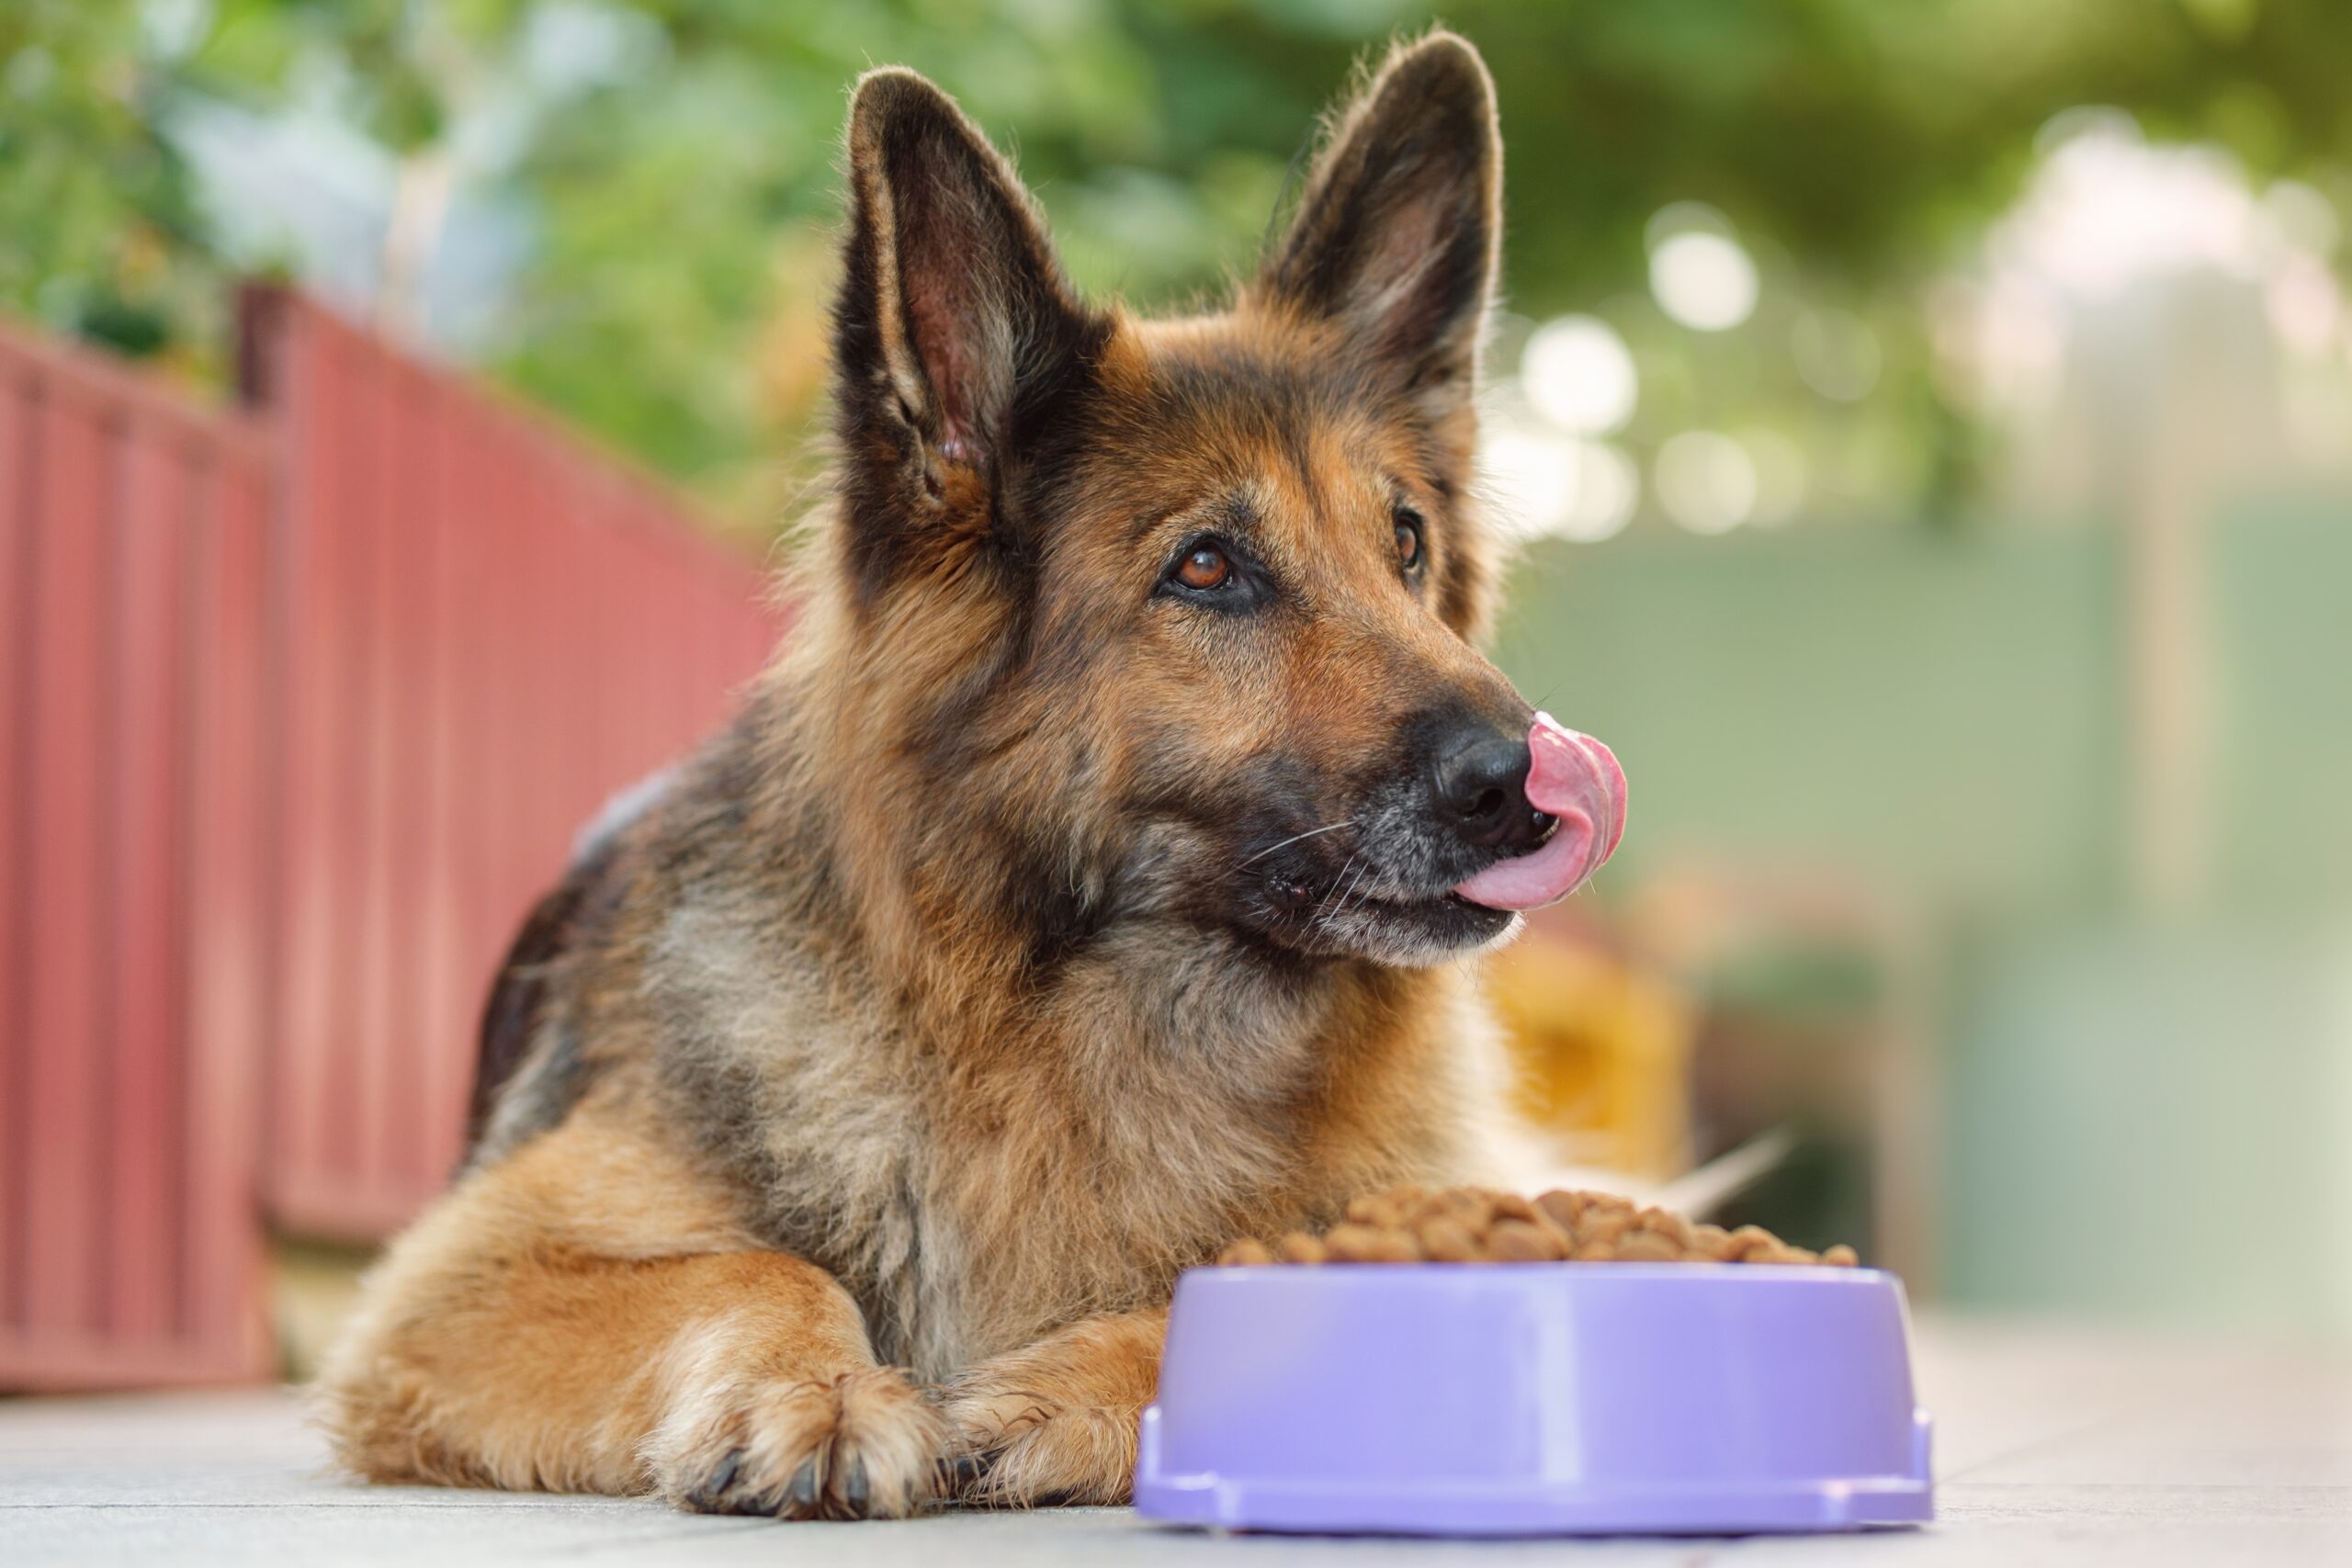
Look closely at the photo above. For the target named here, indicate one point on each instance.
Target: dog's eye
(1408, 538)
(1204, 568)
(1211, 572)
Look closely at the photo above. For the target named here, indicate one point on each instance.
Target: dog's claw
(857, 1444)
(712, 1493)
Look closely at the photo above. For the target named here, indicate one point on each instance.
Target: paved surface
(2054, 1448)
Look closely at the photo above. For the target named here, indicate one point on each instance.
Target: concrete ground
(2054, 1448)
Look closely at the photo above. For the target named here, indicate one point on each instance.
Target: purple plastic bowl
(1536, 1399)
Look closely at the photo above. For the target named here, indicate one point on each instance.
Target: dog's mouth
(1400, 883)
(1578, 791)
(1355, 912)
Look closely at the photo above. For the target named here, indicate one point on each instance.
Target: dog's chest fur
(976, 1182)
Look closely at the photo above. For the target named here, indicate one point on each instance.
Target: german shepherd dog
(1089, 880)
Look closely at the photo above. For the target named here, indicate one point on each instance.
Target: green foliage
(97, 232)
(679, 172)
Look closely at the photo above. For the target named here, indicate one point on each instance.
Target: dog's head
(1155, 618)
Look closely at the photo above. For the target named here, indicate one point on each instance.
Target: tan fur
(892, 1036)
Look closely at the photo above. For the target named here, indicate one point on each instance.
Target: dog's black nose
(1479, 786)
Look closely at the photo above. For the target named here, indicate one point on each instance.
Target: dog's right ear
(952, 314)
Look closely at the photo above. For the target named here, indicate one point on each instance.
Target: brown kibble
(1673, 1227)
(1350, 1243)
(1478, 1225)
(1387, 1210)
(1648, 1246)
(1512, 1206)
(1521, 1241)
(1421, 1208)
(1371, 1244)
(1299, 1248)
(1447, 1240)
(1561, 1208)
(1470, 1206)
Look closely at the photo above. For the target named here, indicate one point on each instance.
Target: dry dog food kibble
(1472, 1225)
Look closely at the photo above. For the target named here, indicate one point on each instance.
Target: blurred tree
(99, 234)
(676, 158)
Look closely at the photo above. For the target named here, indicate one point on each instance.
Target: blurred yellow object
(1602, 1051)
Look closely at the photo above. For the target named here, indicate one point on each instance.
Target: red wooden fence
(133, 857)
(299, 704)
(489, 634)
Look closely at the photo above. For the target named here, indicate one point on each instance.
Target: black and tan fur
(849, 1110)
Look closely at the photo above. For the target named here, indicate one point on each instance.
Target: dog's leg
(504, 1343)
(1056, 1421)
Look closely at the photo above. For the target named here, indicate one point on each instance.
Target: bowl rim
(1692, 1273)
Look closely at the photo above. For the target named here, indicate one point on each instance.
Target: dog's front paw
(863, 1445)
(1013, 1448)
(1056, 1421)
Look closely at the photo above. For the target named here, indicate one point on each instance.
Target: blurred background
(1927, 430)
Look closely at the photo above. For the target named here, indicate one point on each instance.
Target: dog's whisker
(1326, 899)
(1342, 908)
(1339, 890)
(1348, 893)
(1262, 854)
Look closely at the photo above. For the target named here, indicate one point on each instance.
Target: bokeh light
(1706, 481)
(1577, 373)
(1528, 476)
(2305, 306)
(2106, 209)
(1539, 483)
(1704, 279)
(1608, 489)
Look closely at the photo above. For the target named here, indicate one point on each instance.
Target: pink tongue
(1575, 778)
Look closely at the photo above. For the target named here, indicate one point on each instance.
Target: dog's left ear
(953, 313)
(1397, 233)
